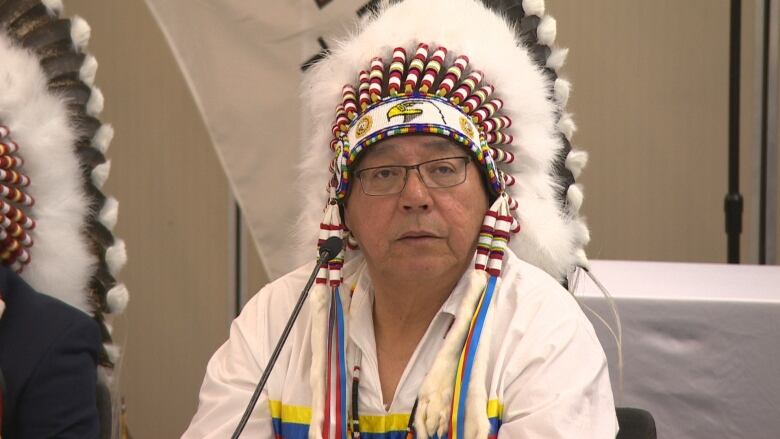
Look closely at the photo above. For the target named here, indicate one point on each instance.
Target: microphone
(328, 250)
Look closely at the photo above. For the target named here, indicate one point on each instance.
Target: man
(432, 327)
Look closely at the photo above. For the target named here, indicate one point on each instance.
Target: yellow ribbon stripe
(293, 414)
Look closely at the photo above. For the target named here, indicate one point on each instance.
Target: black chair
(635, 424)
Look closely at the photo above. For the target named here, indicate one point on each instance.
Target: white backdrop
(242, 61)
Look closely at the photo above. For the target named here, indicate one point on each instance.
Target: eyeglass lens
(440, 173)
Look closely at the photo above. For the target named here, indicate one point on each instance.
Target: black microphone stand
(328, 250)
(732, 204)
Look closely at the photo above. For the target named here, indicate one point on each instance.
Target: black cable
(237, 255)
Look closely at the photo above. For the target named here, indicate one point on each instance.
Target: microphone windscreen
(330, 248)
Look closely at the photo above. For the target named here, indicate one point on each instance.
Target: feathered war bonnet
(55, 222)
(457, 69)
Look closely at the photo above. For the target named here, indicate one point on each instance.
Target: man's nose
(415, 195)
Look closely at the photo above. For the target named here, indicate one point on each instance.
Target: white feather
(566, 126)
(61, 262)
(88, 70)
(557, 58)
(53, 6)
(574, 196)
(533, 7)
(582, 235)
(79, 32)
(576, 161)
(117, 299)
(95, 102)
(547, 31)
(103, 138)
(116, 257)
(562, 90)
(100, 174)
(109, 213)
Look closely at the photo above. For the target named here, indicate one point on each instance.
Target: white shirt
(547, 375)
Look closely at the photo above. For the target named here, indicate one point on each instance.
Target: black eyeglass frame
(407, 168)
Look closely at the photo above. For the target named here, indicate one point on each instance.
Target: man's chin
(426, 266)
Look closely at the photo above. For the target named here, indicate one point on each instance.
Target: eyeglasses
(391, 180)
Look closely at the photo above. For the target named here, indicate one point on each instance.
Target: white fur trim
(435, 399)
(533, 7)
(103, 138)
(116, 257)
(88, 70)
(575, 196)
(95, 102)
(79, 32)
(547, 31)
(576, 161)
(477, 424)
(112, 351)
(566, 126)
(557, 58)
(318, 305)
(109, 213)
(61, 263)
(53, 6)
(117, 298)
(583, 234)
(100, 174)
(547, 239)
(562, 90)
(582, 259)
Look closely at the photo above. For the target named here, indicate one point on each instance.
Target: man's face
(421, 232)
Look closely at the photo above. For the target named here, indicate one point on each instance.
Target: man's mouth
(417, 235)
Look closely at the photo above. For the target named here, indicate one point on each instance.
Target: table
(701, 344)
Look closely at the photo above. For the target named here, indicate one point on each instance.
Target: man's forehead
(399, 146)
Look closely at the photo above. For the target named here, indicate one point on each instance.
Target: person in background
(48, 359)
